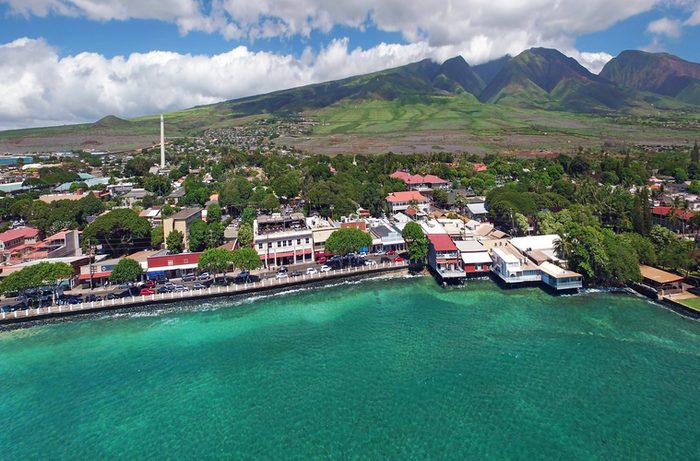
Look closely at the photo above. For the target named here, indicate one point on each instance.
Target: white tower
(162, 143)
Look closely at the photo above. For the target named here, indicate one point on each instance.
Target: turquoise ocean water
(384, 369)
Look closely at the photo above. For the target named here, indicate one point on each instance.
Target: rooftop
(406, 196)
(20, 232)
(557, 272)
(658, 276)
(442, 242)
(186, 213)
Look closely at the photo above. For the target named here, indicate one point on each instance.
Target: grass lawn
(693, 303)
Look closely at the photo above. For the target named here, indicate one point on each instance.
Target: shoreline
(26, 318)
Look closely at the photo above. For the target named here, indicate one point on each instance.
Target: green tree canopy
(245, 234)
(175, 242)
(121, 231)
(215, 260)
(347, 240)
(246, 259)
(197, 240)
(157, 236)
(412, 231)
(126, 270)
(35, 276)
(213, 213)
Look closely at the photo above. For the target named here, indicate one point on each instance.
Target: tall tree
(215, 260)
(197, 239)
(175, 242)
(347, 240)
(246, 259)
(695, 153)
(126, 270)
(213, 213)
(121, 231)
(37, 275)
(245, 235)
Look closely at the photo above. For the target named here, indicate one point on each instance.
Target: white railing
(189, 294)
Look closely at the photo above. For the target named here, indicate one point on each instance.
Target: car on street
(380, 253)
(147, 291)
(370, 262)
(281, 275)
(181, 288)
(296, 274)
(169, 285)
(362, 254)
(203, 276)
(8, 308)
(199, 286)
(149, 284)
(242, 277)
(282, 269)
(188, 278)
(391, 252)
(322, 260)
(325, 268)
(163, 289)
(399, 259)
(311, 271)
(92, 298)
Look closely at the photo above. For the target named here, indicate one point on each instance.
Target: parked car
(149, 284)
(391, 252)
(198, 286)
(322, 260)
(362, 254)
(169, 285)
(203, 276)
(92, 298)
(311, 271)
(222, 281)
(399, 259)
(8, 308)
(147, 291)
(188, 278)
(370, 262)
(380, 253)
(282, 269)
(113, 296)
(242, 277)
(296, 274)
(281, 275)
(163, 289)
(181, 288)
(325, 268)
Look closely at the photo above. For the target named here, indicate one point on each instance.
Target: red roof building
(417, 181)
(444, 256)
(666, 211)
(479, 167)
(401, 201)
(442, 243)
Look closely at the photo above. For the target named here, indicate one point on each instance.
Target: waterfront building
(282, 239)
(560, 279)
(444, 257)
(172, 266)
(385, 236)
(321, 229)
(400, 201)
(181, 221)
(513, 268)
(538, 248)
(661, 282)
(475, 257)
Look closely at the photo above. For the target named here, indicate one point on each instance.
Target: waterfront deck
(211, 292)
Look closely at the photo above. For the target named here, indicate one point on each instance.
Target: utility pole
(91, 249)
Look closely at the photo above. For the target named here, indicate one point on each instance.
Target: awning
(286, 254)
(95, 275)
(447, 261)
(181, 267)
(155, 273)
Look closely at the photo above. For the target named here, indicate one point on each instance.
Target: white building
(283, 239)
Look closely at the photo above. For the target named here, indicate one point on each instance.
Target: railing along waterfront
(211, 291)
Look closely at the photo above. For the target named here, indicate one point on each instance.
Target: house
(444, 257)
(176, 195)
(400, 201)
(18, 240)
(664, 216)
(662, 282)
(153, 215)
(477, 211)
(511, 267)
(282, 239)
(538, 248)
(135, 195)
(61, 244)
(475, 257)
(479, 167)
(560, 279)
(421, 183)
(181, 221)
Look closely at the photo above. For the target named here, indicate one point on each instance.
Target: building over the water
(444, 257)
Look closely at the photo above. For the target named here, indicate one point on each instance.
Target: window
(298, 241)
(307, 239)
(279, 244)
(289, 243)
(260, 245)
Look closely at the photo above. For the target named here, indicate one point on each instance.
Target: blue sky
(68, 61)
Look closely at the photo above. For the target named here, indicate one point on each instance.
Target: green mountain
(455, 75)
(546, 78)
(488, 70)
(658, 73)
